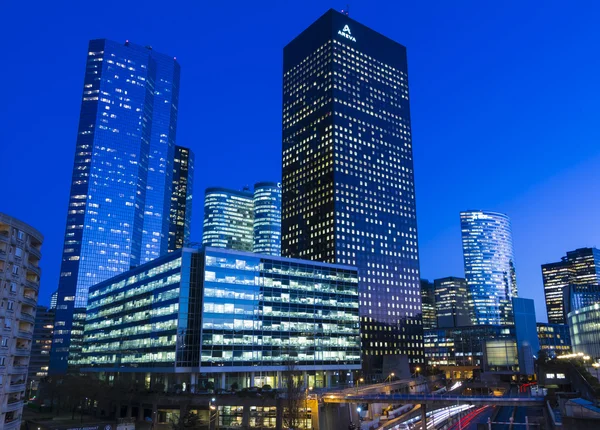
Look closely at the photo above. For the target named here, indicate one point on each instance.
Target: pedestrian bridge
(433, 400)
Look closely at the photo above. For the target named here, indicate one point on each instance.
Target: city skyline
(433, 237)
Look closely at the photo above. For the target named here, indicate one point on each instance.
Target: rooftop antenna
(347, 10)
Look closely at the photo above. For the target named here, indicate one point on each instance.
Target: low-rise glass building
(555, 339)
(216, 316)
(459, 350)
(584, 326)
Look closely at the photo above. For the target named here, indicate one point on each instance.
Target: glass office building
(428, 304)
(528, 344)
(228, 219)
(584, 327)
(489, 265)
(122, 175)
(39, 359)
(452, 302)
(267, 218)
(579, 270)
(181, 198)
(147, 319)
(348, 193)
(554, 339)
(203, 315)
(464, 348)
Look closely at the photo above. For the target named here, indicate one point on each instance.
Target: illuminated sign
(347, 33)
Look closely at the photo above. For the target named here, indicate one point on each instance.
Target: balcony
(3, 254)
(13, 405)
(22, 351)
(19, 366)
(34, 269)
(15, 423)
(25, 334)
(16, 387)
(30, 283)
(35, 253)
(30, 300)
(24, 316)
(4, 236)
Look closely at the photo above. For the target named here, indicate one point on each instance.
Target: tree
(185, 420)
(294, 396)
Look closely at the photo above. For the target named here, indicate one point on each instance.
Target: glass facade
(121, 181)
(267, 218)
(452, 302)
(270, 310)
(489, 265)
(181, 198)
(228, 219)
(528, 344)
(164, 84)
(428, 304)
(584, 327)
(40, 349)
(146, 319)
(462, 346)
(217, 311)
(579, 270)
(554, 339)
(348, 193)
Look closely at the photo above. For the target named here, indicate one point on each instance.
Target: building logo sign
(345, 32)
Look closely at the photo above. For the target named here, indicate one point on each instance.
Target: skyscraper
(228, 219)
(40, 349)
(489, 265)
(452, 302)
(267, 218)
(181, 198)
(428, 304)
(348, 193)
(580, 271)
(122, 175)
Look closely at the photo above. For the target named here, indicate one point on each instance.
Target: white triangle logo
(346, 29)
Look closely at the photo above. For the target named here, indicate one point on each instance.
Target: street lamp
(358, 381)
(417, 370)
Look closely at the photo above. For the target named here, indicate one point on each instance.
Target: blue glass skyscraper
(489, 265)
(228, 219)
(118, 214)
(267, 218)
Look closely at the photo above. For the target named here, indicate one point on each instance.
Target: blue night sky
(504, 101)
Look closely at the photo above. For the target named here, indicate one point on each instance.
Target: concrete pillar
(305, 378)
(128, 413)
(213, 417)
(327, 379)
(246, 417)
(279, 416)
(423, 416)
(154, 413)
(278, 383)
(313, 404)
(140, 416)
(224, 381)
(252, 377)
